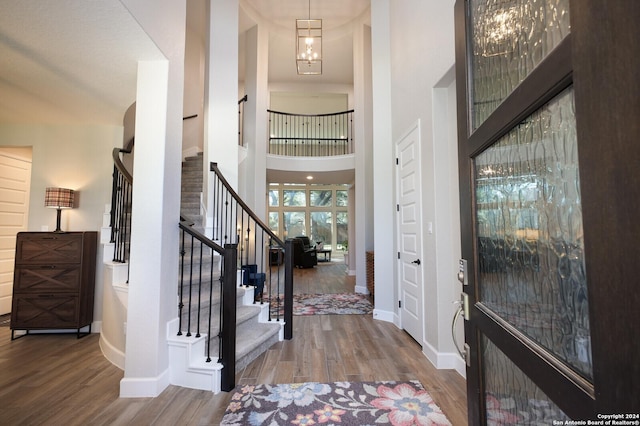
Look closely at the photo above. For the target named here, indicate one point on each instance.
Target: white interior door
(15, 180)
(410, 233)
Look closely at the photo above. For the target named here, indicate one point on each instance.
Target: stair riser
(243, 358)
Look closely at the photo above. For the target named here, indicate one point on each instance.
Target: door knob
(417, 261)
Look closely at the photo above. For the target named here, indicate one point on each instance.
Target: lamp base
(58, 230)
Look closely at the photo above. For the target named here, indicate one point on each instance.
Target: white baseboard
(361, 289)
(111, 353)
(460, 367)
(444, 360)
(144, 387)
(386, 316)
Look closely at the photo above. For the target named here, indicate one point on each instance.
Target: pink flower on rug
(409, 406)
(497, 411)
(248, 388)
(303, 419)
(329, 413)
(234, 406)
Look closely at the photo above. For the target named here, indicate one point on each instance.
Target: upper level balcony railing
(299, 135)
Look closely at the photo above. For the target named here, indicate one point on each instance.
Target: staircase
(191, 189)
(254, 333)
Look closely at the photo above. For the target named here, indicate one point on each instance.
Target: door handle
(417, 261)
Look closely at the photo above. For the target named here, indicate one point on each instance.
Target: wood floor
(61, 380)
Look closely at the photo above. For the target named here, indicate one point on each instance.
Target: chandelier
(309, 45)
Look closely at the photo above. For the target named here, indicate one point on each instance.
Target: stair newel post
(288, 290)
(228, 326)
(181, 281)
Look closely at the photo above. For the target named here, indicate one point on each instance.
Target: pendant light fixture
(309, 45)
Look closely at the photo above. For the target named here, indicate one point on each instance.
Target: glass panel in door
(530, 241)
(508, 39)
(321, 226)
(294, 224)
(511, 397)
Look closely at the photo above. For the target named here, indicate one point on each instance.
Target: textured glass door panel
(529, 233)
(508, 40)
(321, 226)
(294, 224)
(511, 397)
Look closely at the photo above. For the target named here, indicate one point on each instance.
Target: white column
(221, 97)
(146, 362)
(156, 199)
(255, 116)
(383, 160)
(362, 219)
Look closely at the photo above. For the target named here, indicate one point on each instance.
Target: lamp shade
(59, 198)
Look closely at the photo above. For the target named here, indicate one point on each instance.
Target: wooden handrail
(214, 168)
(311, 115)
(118, 162)
(186, 224)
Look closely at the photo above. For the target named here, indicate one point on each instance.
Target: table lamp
(59, 198)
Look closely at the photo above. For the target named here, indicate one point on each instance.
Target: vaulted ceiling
(69, 61)
(337, 50)
(75, 61)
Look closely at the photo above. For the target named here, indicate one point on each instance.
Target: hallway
(325, 277)
(58, 379)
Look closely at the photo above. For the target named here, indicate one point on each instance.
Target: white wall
(69, 156)
(253, 177)
(193, 128)
(309, 103)
(304, 89)
(427, 28)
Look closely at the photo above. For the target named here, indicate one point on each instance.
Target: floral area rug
(329, 304)
(341, 403)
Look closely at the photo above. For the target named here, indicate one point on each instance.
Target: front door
(549, 173)
(410, 232)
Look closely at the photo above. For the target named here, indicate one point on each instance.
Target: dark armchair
(304, 255)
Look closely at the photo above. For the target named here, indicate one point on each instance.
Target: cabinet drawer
(47, 248)
(47, 278)
(45, 311)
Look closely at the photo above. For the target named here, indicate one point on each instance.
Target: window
(294, 198)
(274, 198)
(274, 222)
(342, 223)
(316, 210)
(320, 198)
(342, 198)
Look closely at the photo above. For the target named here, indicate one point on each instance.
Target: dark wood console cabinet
(54, 281)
